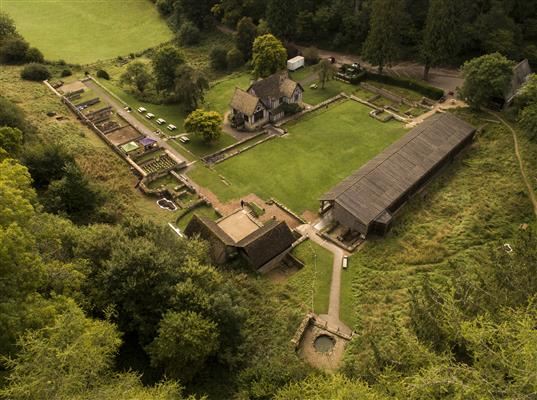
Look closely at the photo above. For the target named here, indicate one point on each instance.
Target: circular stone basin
(324, 343)
(166, 204)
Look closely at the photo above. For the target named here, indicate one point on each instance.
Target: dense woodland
(96, 302)
(408, 28)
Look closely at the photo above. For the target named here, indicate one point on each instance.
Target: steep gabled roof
(274, 86)
(244, 102)
(207, 229)
(267, 242)
(375, 187)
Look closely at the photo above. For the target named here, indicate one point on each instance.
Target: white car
(149, 115)
(172, 127)
(142, 110)
(184, 139)
(161, 121)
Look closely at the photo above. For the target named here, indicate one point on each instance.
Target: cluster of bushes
(422, 88)
(222, 59)
(35, 72)
(15, 50)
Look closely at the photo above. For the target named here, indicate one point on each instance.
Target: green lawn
(321, 149)
(205, 211)
(303, 73)
(221, 92)
(86, 31)
(313, 281)
(333, 88)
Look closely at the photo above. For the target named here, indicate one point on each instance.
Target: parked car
(149, 115)
(127, 108)
(142, 110)
(172, 127)
(345, 262)
(184, 139)
(161, 121)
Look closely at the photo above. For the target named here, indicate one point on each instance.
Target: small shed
(295, 63)
(148, 143)
(131, 148)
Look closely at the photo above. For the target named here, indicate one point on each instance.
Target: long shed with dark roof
(366, 200)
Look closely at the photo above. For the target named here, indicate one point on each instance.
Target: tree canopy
(268, 56)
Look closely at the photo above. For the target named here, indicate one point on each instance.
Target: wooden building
(366, 201)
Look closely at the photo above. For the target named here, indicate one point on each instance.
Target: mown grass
(472, 206)
(312, 283)
(84, 32)
(320, 150)
(205, 211)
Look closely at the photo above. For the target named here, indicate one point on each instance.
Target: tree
(281, 16)
(101, 73)
(10, 140)
(184, 342)
(46, 162)
(263, 28)
(13, 50)
(206, 124)
(527, 94)
(7, 26)
(35, 72)
(33, 55)
(234, 58)
(165, 63)
(190, 86)
(72, 195)
(13, 116)
(196, 11)
(188, 34)
(329, 387)
(217, 58)
(136, 75)
(326, 71)
(485, 77)
(383, 42)
(528, 121)
(311, 55)
(441, 38)
(268, 56)
(245, 36)
(64, 359)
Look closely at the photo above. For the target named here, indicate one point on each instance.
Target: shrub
(33, 55)
(422, 88)
(234, 58)
(292, 50)
(218, 58)
(291, 108)
(311, 55)
(189, 34)
(66, 72)
(35, 72)
(101, 73)
(13, 51)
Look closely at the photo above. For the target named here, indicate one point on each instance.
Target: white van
(141, 110)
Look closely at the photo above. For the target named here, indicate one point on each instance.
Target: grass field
(86, 31)
(333, 88)
(320, 150)
(476, 204)
(313, 281)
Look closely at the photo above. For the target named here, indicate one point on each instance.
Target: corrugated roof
(376, 186)
(128, 147)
